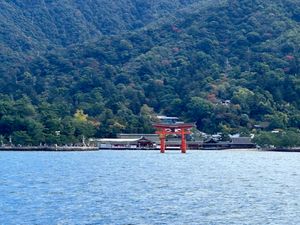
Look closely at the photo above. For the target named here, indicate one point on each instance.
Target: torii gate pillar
(183, 142)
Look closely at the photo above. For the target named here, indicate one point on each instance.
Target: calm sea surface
(110, 187)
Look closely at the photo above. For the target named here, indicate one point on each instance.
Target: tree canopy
(226, 65)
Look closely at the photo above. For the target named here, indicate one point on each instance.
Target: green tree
(21, 138)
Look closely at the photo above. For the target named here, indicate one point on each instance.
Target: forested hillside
(230, 66)
(29, 25)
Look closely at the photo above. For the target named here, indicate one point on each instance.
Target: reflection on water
(107, 187)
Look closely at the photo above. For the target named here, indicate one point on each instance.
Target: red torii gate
(180, 129)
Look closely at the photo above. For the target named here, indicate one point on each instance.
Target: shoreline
(87, 149)
(296, 149)
(48, 149)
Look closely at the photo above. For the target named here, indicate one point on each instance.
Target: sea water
(146, 187)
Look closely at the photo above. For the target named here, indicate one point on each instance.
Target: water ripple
(149, 188)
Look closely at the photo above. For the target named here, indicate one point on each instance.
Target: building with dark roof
(234, 143)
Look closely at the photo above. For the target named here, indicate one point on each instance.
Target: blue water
(107, 187)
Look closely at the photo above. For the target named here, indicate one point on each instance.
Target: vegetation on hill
(36, 25)
(232, 66)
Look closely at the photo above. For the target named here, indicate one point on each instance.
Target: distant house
(215, 144)
(276, 131)
(234, 143)
(151, 137)
(242, 142)
(261, 126)
(123, 143)
(226, 102)
(168, 119)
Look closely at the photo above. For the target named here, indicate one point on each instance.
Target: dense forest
(230, 66)
(41, 24)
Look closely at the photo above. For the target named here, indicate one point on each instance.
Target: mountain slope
(227, 66)
(27, 25)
